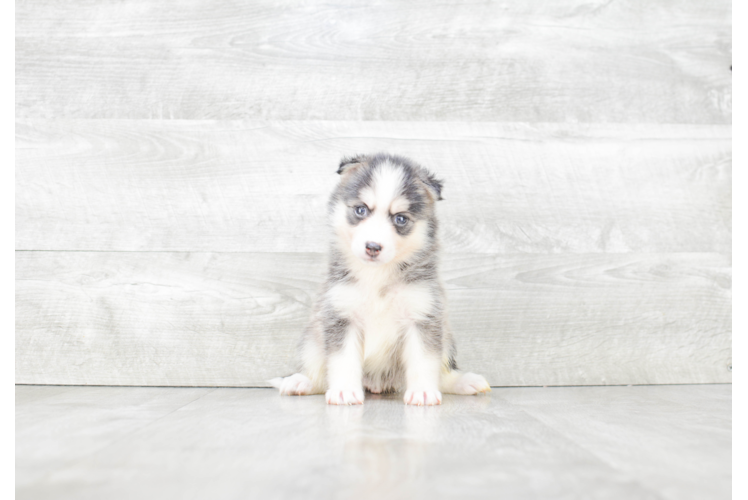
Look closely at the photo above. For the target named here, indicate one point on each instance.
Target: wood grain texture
(739, 101)
(174, 159)
(739, 344)
(567, 61)
(738, 149)
(263, 186)
(738, 32)
(616, 420)
(617, 443)
(233, 319)
(84, 422)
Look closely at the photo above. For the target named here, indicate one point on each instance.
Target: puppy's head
(383, 208)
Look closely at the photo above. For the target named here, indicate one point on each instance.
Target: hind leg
(310, 380)
(295, 385)
(455, 382)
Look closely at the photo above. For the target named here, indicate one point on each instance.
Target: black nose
(373, 249)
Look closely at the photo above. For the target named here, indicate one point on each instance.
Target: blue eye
(361, 211)
(400, 220)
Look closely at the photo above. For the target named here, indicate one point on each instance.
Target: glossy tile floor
(658, 442)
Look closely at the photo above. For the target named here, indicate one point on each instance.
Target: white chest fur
(381, 312)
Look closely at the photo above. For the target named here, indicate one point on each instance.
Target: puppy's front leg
(422, 368)
(344, 370)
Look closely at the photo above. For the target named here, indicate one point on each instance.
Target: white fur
(381, 316)
(297, 384)
(377, 229)
(381, 199)
(422, 371)
(468, 383)
(344, 372)
(387, 184)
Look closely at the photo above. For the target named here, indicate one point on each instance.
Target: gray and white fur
(380, 321)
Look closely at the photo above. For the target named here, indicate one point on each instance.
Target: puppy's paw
(345, 397)
(422, 397)
(295, 385)
(471, 383)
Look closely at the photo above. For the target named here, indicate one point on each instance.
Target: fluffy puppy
(380, 321)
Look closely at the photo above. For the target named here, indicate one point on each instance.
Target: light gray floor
(658, 442)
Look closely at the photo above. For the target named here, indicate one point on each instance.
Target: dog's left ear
(350, 163)
(433, 185)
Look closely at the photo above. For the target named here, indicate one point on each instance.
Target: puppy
(380, 322)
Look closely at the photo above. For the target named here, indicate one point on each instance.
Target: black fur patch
(335, 328)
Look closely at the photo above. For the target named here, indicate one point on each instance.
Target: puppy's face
(383, 209)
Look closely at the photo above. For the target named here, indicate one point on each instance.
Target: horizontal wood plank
(739, 95)
(738, 149)
(739, 338)
(233, 319)
(737, 28)
(263, 186)
(563, 61)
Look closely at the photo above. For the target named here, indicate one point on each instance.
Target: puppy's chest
(382, 313)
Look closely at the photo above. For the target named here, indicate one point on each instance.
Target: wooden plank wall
(737, 28)
(173, 161)
(738, 150)
(739, 192)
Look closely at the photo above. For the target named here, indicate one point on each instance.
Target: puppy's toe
(422, 397)
(471, 383)
(344, 396)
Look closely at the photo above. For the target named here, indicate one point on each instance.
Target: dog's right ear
(349, 164)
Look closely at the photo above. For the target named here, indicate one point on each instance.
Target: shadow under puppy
(380, 321)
